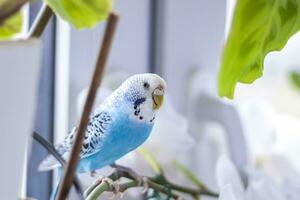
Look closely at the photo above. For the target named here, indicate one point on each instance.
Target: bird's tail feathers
(48, 163)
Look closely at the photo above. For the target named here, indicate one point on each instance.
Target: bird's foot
(144, 183)
(141, 180)
(115, 187)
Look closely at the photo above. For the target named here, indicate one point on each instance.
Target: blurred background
(181, 41)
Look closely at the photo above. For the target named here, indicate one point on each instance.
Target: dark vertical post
(156, 36)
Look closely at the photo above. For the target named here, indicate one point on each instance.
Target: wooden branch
(96, 79)
(105, 187)
(166, 187)
(40, 21)
(9, 8)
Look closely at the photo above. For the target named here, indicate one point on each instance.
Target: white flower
(227, 193)
(269, 132)
(228, 179)
(260, 185)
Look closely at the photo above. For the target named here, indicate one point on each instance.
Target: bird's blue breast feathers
(122, 135)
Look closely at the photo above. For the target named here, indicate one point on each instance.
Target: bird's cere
(159, 91)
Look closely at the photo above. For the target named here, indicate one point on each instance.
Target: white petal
(291, 188)
(263, 190)
(227, 193)
(227, 174)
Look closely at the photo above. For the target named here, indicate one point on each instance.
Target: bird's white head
(141, 88)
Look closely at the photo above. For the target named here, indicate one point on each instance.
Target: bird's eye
(146, 85)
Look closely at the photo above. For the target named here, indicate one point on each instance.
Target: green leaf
(258, 27)
(294, 78)
(188, 174)
(81, 13)
(11, 26)
(151, 160)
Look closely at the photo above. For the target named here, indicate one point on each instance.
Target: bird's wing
(95, 133)
(94, 136)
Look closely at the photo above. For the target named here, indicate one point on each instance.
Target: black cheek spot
(139, 101)
(152, 119)
(136, 113)
(141, 118)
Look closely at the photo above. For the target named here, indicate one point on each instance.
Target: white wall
(192, 38)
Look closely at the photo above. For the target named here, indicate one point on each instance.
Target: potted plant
(19, 74)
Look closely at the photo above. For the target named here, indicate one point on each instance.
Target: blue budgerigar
(119, 125)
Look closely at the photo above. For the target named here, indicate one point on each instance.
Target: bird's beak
(158, 97)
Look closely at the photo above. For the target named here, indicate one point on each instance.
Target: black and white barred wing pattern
(94, 135)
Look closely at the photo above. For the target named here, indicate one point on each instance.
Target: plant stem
(104, 187)
(9, 8)
(95, 82)
(162, 189)
(191, 191)
(94, 191)
(40, 21)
